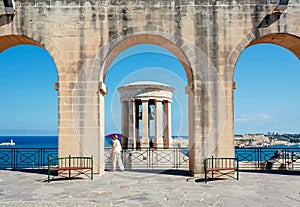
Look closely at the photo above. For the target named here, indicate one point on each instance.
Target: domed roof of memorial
(146, 84)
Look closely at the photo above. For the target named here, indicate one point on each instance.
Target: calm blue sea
(52, 142)
(31, 141)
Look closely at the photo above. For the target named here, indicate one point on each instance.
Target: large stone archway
(83, 37)
(211, 95)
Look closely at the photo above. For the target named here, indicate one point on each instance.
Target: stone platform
(149, 189)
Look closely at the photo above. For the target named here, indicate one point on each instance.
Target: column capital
(144, 99)
(159, 100)
(132, 100)
(167, 100)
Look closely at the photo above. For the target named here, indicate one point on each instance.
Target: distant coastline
(266, 140)
(241, 141)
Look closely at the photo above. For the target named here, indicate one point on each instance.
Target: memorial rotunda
(146, 101)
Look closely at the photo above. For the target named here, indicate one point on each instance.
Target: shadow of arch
(8, 41)
(288, 41)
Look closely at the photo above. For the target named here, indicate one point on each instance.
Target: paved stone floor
(149, 189)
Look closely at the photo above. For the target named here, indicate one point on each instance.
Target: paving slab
(149, 189)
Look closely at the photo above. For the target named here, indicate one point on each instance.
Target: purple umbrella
(110, 135)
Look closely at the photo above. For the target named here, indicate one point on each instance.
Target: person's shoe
(111, 171)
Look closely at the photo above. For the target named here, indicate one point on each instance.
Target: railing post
(40, 158)
(14, 158)
(148, 157)
(92, 172)
(212, 165)
(237, 166)
(69, 166)
(177, 157)
(258, 158)
(292, 159)
(48, 169)
(205, 170)
(285, 160)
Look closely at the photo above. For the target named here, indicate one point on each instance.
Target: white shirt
(117, 145)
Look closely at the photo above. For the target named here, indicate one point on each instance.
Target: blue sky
(28, 101)
(266, 98)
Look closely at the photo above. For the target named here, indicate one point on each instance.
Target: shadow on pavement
(277, 172)
(166, 172)
(35, 171)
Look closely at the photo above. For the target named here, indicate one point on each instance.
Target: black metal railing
(18, 158)
(150, 158)
(268, 158)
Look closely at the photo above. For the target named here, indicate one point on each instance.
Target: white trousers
(117, 158)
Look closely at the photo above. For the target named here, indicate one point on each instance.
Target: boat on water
(11, 143)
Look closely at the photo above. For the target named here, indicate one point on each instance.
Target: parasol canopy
(110, 135)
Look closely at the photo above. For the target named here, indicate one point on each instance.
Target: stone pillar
(132, 125)
(125, 124)
(193, 154)
(145, 123)
(167, 125)
(158, 119)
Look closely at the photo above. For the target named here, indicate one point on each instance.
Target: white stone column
(145, 123)
(167, 125)
(125, 124)
(158, 119)
(132, 125)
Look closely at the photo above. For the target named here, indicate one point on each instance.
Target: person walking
(116, 153)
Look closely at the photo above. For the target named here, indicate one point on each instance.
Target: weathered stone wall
(83, 37)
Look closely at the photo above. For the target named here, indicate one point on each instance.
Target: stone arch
(288, 41)
(204, 89)
(12, 40)
(8, 41)
(95, 70)
(176, 47)
(107, 54)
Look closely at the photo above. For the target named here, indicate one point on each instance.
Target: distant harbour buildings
(266, 139)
